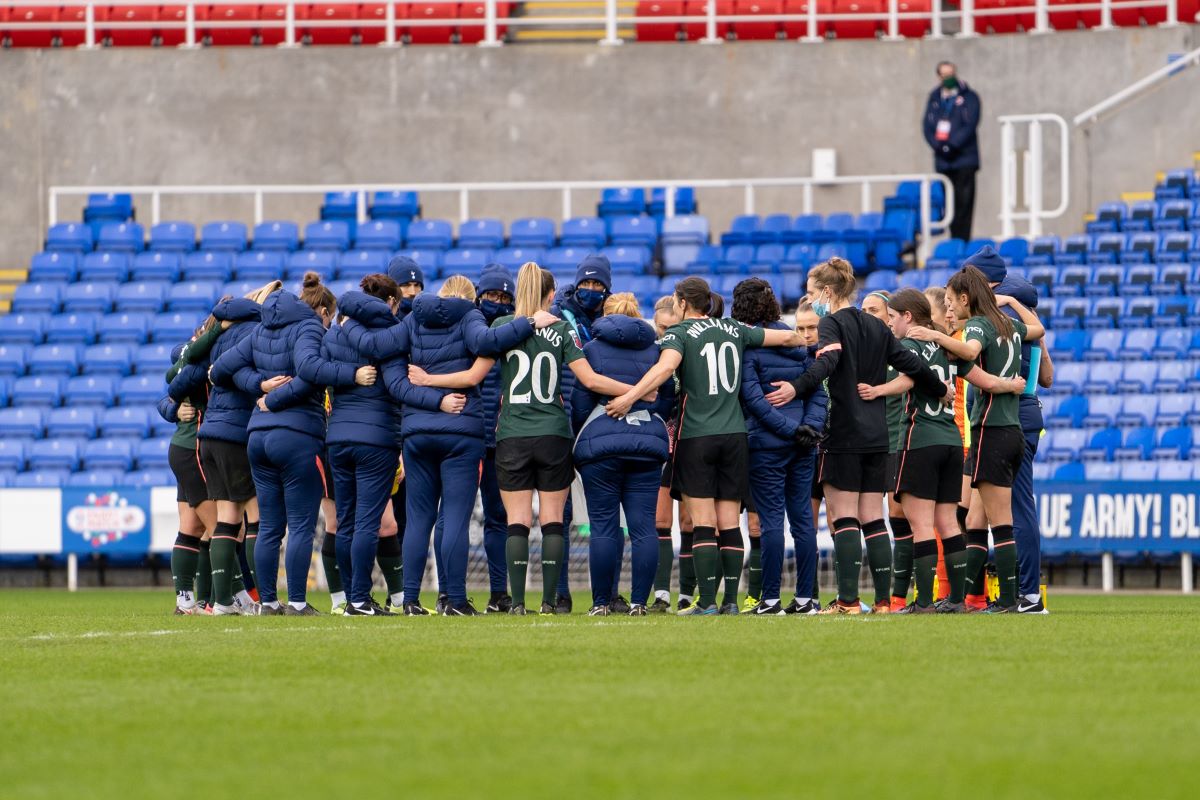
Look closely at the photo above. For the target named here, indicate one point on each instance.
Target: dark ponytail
(980, 298)
(915, 303)
(696, 293)
(380, 286)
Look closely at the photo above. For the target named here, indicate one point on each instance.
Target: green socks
(954, 550)
(554, 544)
(977, 553)
(754, 576)
(204, 576)
(333, 576)
(516, 552)
(925, 563)
(706, 560)
(848, 554)
(391, 563)
(184, 558)
(1006, 563)
(248, 544)
(902, 562)
(687, 564)
(223, 554)
(666, 556)
(879, 558)
(733, 555)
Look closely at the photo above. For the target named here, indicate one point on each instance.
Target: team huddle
(386, 411)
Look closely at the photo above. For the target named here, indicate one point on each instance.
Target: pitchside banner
(115, 521)
(1108, 517)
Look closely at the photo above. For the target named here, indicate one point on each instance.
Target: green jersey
(927, 421)
(531, 401)
(1002, 358)
(194, 352)
(894, 405)
(711, 373)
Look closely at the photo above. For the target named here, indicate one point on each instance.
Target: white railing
(464, 191)
(1173, 68)
(294, 26)
(1034, 170)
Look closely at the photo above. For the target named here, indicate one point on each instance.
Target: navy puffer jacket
(228, 409)
(624, 349)
(286, 342)
(768, 427)
(361, 414)
(566, 307)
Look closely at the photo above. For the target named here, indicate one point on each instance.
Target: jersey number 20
(542, 367)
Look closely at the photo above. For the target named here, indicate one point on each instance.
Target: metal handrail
(1093, 114)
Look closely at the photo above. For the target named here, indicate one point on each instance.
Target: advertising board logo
(105, 518)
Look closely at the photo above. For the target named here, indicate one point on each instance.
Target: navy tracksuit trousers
(495, 528)
(783, 484)
(287, 478)
(611, 485)
(1027, 531)
(362, 479)
(439, 468)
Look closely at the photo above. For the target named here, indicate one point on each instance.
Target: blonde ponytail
(533, 284)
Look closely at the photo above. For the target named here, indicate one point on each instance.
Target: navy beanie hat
(495, 278)
(595, 268)
(989, 262)
(403, 269)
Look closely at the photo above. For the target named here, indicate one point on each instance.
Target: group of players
(390, 408)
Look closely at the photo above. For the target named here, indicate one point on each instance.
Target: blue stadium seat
(329, 234)
(1065, 444)
(1140, 248)
(801, 256)
(94, 297)
(1137, 377)
(1101, 445)
(621, 200)
(1071, 471)
(1099, 471)
(55, 359)
(1173, 343)
(591, 232)
(741, 230)
(23, 328)
(72, 328)
(395, 204)
(946, 254)
(156, 266)
(466, 261)
(107, 359)
(686, 229)
(1174, 443)
(1044, 278)
(340, 206)
(1138, 345)
(645, 287)
(429, 260)
(108, 454)
(37, 298)
(124, 237)
(72, 237)
(22, 423)
(1176, 470)
(685, 201)
(152, 358)
(43, 479)
(532, 232)
(676, 257)
(1104, 345)
(14, 358)
(1109, 218)
(768, 257)
(54, 454)
(1174, 409)
(13, 454)
(1172, 312)
(152, 453)
(565, 259)
(158, 425)
(736, 259)
(1139, 279)
(639, 231)
(1138, 444)
(177, 237)
(278, 235)
(1173, 248)
(174, 326)
(1173, 215)
(627, 259)
(1069, 413)
(90, 390)
(223, 236)
(105, 478)
(380, 234)
(148, 478)
(193, 296)
(321, 262)
(1071, 281)
(58, 267)
(1015, 249)
(127, 327)
(1141, 216)
(514, 257)
(105, 267)
(481, 234)
(804, 229)
(1173, 376)
(125, 421)
(208, 266)
(1042, 251)
(71, 423)
(139, 390)
(771, 229)
(1105, 280)
(1070, 377)
(1102, 410)
(110, 206)
(430, 234)
(1069, 345)
(1137, 410)
(148, 296)
(38, 390)
(352, 265)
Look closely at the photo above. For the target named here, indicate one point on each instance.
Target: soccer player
(664, 515)
(880, 562)
(621, 460)
(993, 340)
(711, 458)
(853, 348)
(780, 470)
(533, 435)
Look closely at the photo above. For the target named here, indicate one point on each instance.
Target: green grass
(105, 695)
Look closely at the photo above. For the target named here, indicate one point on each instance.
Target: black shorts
(864, 473)
(326, 474)
(226, 470)
(893, 470)
(185, 465)
(524, 463)
(665, 483)
(995, 455)
(931, 473)
(713, 467)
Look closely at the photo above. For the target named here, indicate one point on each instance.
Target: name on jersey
(697, 328)
(550, 335)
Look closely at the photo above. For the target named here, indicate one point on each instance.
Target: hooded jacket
(962, 110)
(360, 414)
(286, 342)
(567, 307)
(1026, 294)
(768, 427)
(228, 409)
(623, 349)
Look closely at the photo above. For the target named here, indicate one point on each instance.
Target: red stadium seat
(658, 32)
(125, 37)
(914, 28)
(798, 30)
(378, 11)
(699, 8)
(1063, 20)
(757, 30)
(329, 12)
(432, 34)
(27, 38)
(173, 37)
(1003, 23)
(471, 34)
(275, 36)
(77, 14)
(1131, 17)
(230, 36)
(858, 29)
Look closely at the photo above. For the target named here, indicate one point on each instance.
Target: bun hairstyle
(838, 275)
(754, 303)
(916, 303)
(623, 303)
(380, 286)
(980, 298)
(458, 286)
(317, 296)
(534, 284)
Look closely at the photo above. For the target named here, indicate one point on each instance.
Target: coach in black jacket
(951, 120)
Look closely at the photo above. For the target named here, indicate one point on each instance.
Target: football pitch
(104, 694)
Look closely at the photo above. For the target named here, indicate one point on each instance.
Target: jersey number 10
(723, 364)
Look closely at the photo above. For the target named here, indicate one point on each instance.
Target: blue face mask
(821, 309)
(589, 299)
(492, 310)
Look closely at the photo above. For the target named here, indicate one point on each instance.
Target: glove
(807, 437)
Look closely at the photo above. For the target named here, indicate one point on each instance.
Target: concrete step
(569, 35)
(560, 25)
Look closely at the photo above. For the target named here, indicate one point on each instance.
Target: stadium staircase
(564, 30)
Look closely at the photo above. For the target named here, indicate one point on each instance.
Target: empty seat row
(1115, 444)
(1132, 377)
(107, 478)
(1114, 248)
(87, 327)
(1106, 280)
(1120, 312)
(1114, 471)
(842, 28)
(64, 449)
(1121, 411)
(98, 359)
(146, 296)
(1178, 214)
(30, 422)
(52, 389)
(1134, 344)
